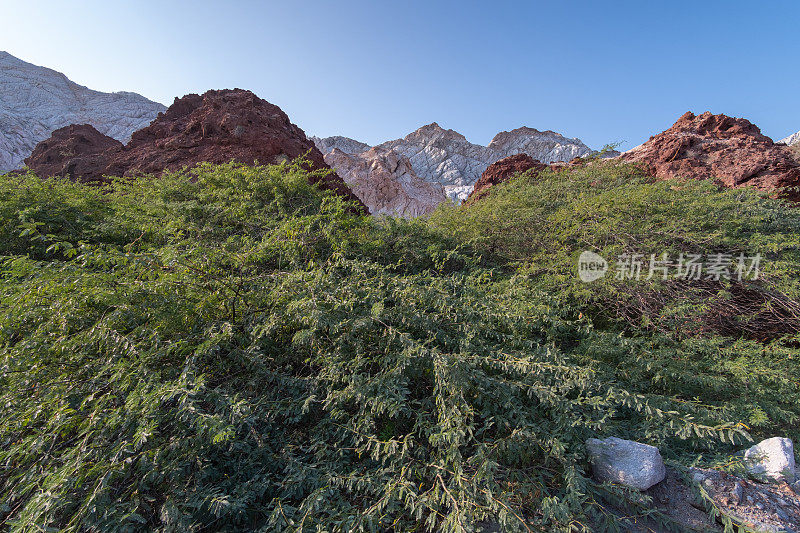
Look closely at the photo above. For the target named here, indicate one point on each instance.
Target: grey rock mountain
(345, 144)
(35, 101)
(791, 139)
(446, 158)
(546, 146)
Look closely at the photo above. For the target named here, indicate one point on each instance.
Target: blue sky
(605, 72)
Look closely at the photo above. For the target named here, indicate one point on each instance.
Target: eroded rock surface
(731, 151)
(385, 181)
(77, 151)
(445, 157)
(35, 101)
(546, 146)
(345, 144)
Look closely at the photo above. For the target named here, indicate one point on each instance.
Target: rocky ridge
(791, 140)
(446, 157)
(386, 182)
(215, 127)
(344, 144)
(732, 151)
(443, 158)
(35, 101)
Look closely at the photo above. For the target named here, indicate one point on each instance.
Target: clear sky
(604, 72)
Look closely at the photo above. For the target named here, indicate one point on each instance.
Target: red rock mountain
(78, 150)
(218, 126)
(500, 172)
(730, 150)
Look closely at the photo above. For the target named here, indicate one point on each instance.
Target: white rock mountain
(443, 158)
(345, 144)
(35, 100)
(791, 139)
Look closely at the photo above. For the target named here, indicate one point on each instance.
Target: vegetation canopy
(230, 349)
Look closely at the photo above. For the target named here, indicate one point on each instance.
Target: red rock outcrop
(731, 151)
(76, 150)
(502, 171)
(217, 127)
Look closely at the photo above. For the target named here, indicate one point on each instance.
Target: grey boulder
(626, 462)
(771, 460)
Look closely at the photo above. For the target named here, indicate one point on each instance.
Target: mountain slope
(445, 157)
(386, 182)
(732, 151)
(35, 101)
(791, 139)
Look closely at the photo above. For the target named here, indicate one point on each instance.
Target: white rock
(771, 460)
(34, 101)
(345, 144)
(546, 146)
(386, 183)
(791, 139)
(626, 462)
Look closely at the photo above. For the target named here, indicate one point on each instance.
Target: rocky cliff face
(217, 127)
(386, 182)
(446, 158)
(547, 146)
(35, 101)
(443, 156)
(730, 150)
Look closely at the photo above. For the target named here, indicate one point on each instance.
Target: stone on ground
(771, 460)
(626, 462)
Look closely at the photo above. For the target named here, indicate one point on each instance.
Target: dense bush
(232, 350)
(541, 223)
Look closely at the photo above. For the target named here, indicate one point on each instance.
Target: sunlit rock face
(731, 151)
(345, 144)
(445, 157)
(386, 182)
(35, 101)
(791, 140)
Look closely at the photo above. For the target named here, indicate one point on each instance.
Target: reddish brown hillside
(217, 127)
(500, 172)
(730, 150)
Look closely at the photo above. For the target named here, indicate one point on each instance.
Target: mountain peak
(434, 131)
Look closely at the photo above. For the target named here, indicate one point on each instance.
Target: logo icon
(591, 266)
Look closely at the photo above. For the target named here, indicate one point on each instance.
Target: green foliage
(541, 223)
(231, 349)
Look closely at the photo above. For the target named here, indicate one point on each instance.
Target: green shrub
(231, 349)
